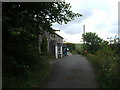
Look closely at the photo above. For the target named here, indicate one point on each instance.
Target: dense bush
(23, 65)
(24, 75)
(20, 54)
(106, 59)
(107, 64)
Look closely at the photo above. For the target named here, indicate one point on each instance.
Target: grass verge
(92, 59)
(35, 79)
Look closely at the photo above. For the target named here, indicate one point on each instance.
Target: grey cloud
(114, 30)
(100, 26)
(86, 9)
(86, 13)
(70, 28)
(73, 29)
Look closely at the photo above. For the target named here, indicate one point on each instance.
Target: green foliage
(77, 51)
(19, 69)
(92, 42)
(74, 52)
(92, 38)
(44, 46)
(107, 64)
(71, 46)
(79, 48)
(21, 58)
(39, 13)
(32, 78)
(21, 22)
(106, 60)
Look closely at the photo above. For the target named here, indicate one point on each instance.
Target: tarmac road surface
(72, 71)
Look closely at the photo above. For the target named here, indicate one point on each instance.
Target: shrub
(109, 70)
(26, 74)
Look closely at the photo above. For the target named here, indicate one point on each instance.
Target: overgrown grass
(92, 59)
(107, 67)
(38, 77)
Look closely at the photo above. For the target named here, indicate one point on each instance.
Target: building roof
(58, 35)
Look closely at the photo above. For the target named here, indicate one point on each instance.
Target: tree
(21, 21)
(92, 38)
(92, 42)
(44, 13)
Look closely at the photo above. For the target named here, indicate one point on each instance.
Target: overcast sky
(99, 16)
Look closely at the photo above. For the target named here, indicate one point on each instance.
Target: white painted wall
(61, 51)
(56, 51)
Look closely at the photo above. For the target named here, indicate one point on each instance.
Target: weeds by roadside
(107, 65)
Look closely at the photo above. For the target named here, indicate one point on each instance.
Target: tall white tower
(84, 33)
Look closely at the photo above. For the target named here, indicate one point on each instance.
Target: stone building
(55, 43)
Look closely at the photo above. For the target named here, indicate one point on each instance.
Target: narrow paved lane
(72, 71)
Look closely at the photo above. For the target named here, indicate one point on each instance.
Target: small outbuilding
(55, 43)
